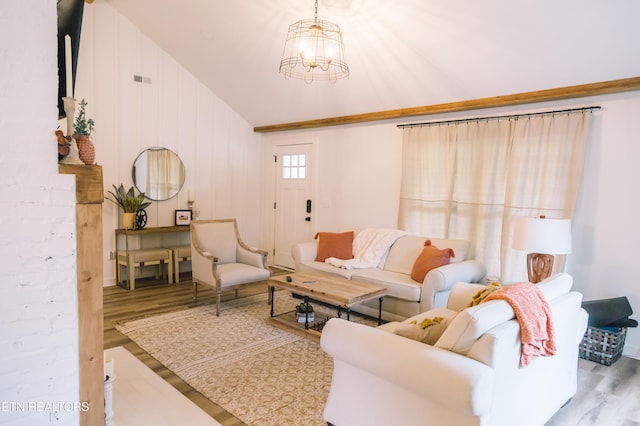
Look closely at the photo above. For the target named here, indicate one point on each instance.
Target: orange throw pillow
(431, 257)
(331, 244)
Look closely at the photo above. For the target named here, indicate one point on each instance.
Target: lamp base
(539, 266)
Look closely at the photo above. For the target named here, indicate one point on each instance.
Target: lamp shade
(541, 235)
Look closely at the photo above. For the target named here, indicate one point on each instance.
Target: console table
(126, 233)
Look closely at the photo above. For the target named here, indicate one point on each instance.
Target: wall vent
(141, 79)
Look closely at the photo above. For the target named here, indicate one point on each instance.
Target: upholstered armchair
(219, 258)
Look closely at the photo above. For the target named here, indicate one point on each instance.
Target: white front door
(294, 206)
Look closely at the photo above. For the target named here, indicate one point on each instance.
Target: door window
(294, 166)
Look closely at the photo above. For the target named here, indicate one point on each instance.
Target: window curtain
(163, 171)
(469, 180)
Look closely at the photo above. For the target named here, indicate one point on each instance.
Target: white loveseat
(470, 376)
(405, 297)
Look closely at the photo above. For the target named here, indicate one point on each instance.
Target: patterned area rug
(259, 373)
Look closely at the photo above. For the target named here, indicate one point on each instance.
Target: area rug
(260, 374)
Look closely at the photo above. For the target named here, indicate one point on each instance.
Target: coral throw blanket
(534, 316)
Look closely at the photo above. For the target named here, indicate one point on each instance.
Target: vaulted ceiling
(401, 53)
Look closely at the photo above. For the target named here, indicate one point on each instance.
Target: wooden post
(89, 199)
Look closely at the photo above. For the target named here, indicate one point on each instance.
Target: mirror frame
(136, 166)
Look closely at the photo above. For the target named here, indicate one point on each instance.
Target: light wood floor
(152, 299)
(606, 395)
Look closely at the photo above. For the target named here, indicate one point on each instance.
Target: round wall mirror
(159, 173)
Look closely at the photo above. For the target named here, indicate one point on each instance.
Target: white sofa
(405, 297)
(470, 376)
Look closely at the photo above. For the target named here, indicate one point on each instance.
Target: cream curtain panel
(470, 179)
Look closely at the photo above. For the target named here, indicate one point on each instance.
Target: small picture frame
(183, 217)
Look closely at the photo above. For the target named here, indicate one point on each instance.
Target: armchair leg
(217, 303)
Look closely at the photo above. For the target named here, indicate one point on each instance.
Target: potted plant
(82, 129)
(129, 202)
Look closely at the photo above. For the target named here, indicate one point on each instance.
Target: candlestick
(68, 69)
(70, 111)
(189, 199)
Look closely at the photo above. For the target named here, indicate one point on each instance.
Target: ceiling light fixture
(314, 51)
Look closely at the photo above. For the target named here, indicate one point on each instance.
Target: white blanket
(370, 246)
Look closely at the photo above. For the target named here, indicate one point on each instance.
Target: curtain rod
(497, 117)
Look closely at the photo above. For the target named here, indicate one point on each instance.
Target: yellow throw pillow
(428, 331)
(482, 294)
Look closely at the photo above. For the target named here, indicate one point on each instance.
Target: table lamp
(542, 238)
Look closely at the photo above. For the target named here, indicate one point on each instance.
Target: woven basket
(603, 346)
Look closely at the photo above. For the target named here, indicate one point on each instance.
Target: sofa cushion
(405, 250)
(461, 294)
(398, 285)
(332, 244)
(429, 258)
(556, 285)
(471, 323)
(435, 312)
(427, 331)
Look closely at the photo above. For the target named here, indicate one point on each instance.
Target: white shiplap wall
(221, 154)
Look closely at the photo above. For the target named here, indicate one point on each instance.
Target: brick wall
(38, 305)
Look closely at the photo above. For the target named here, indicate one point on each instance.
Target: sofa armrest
(438, 282)
(303, 252)
(203, 265)
(443, 377)
(252, 257)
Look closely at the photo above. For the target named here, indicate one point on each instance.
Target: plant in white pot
(82, 129)
(129, 202)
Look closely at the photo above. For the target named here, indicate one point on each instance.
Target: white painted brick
(38, 300)
(10, 381)
(59, 370)
(64, 321)
(15, 332)
(16, 418)
(63, 197)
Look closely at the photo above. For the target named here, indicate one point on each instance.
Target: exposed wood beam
(579, 91)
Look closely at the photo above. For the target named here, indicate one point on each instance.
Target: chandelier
(314, 51)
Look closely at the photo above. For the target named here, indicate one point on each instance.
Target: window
(469, 179)
(294, 166)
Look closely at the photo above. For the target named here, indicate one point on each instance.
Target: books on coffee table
(301, 317)
(301, 313)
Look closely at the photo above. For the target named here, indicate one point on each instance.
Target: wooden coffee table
(334, 290)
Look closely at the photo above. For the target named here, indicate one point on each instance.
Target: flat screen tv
(69, 22)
